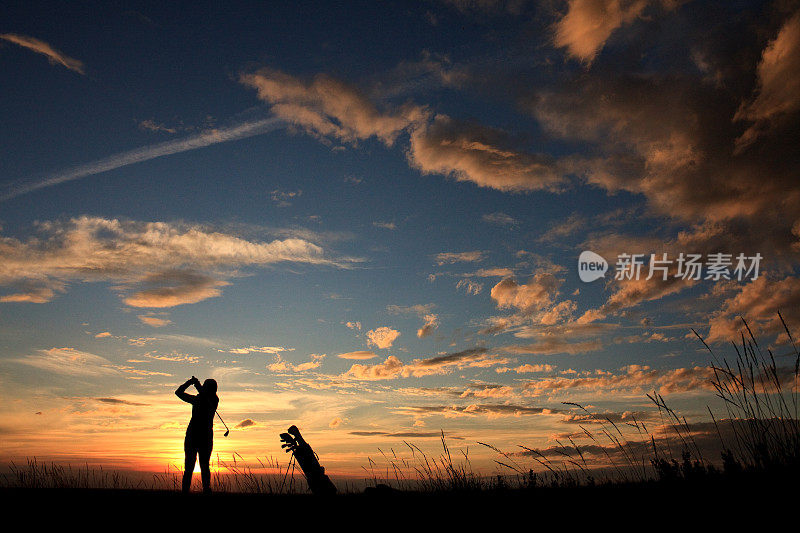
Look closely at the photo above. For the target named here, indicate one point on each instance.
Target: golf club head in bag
(318, 482)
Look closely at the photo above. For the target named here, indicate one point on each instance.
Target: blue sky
(365, 218)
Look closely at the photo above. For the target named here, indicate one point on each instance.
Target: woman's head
(210, 386)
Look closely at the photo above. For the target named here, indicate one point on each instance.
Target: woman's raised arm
(181, 391)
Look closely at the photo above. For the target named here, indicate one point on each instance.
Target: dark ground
(688, 506)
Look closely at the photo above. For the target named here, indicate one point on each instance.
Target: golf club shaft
(221, 420)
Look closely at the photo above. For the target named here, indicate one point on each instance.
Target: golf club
(224, 424)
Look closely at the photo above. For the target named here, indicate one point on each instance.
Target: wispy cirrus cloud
(273, 350)
(40, 47)
(193, 142)
(446, 258)
(499, 218)
(69, 361)
(119, 401)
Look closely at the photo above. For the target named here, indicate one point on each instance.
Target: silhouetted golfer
(200, 432)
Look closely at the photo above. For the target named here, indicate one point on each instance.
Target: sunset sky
(365, 218)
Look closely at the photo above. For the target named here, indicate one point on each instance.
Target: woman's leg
(205, 469)
(188, 467)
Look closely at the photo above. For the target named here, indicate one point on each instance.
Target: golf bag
(318, 482)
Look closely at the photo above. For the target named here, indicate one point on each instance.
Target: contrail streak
(145, 153)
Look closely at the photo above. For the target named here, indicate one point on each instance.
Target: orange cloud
(446, 258)
(537, 294)
(526, 368)
(759, 303)
(328, 107)
(185, 288)
(778, 83)
(41, 47)
(275, 350)
(382, 337)
(476, 153)
(549, 345)
(589, 23)
(37, 296)
(431, 323)
(490, 411)
(389, 369)
(471, 287)
(393, 368)
(154, 321)
(634, 378)
(170, 256)
(362, 354)
(284, 366)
